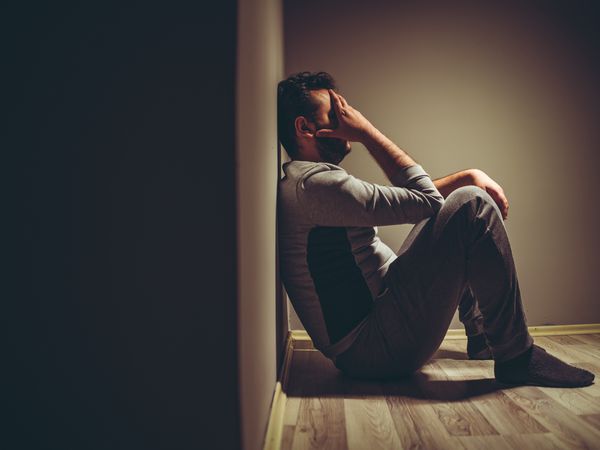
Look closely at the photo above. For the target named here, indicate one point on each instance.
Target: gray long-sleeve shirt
(332, 261)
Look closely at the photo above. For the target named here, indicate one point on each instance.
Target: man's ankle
(478, 348)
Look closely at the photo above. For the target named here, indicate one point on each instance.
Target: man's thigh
(427, 281)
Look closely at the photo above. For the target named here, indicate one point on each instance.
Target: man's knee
(468, 193)
(481, 201)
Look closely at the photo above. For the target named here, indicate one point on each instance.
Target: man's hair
(293, 100)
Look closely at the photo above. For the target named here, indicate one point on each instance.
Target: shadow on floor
(313, 375)
(450, 354)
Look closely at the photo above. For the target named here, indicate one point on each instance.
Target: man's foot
(477, 347)
(539, 368)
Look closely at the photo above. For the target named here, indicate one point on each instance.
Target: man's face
(331, 150)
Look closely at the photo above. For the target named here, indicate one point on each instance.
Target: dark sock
(477, 347)
(539, 368)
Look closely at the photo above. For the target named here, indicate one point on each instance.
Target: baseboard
(275, 425)
(541, 330)
(299, 339)
(301, 336)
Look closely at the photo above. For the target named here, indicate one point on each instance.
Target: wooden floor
(451, 403)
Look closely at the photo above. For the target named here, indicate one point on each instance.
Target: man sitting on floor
(374, 313)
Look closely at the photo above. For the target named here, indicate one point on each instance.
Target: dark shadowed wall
(121, 327)
(512, 88)
(261, 331)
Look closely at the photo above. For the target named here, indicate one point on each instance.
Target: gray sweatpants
(460, 258)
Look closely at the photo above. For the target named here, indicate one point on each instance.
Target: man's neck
(310, 154)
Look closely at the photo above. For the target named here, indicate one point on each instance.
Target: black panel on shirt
(343, 292)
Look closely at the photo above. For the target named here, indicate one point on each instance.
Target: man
(374, 313)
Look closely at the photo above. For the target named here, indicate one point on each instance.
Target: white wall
(260, 64)
(512, 90)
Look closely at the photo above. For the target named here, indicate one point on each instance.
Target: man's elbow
(429, 207)
(425, 205)
(436, 202)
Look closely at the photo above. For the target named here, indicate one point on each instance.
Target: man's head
(304, 106)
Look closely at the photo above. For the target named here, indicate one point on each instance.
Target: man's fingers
(500, 200)
(343, 100)
(337, 102)
(504, 207)
(504, 202)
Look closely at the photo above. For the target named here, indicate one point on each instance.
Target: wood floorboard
(568, 428)
(564, 340)
(592, 419)
(509, 417)
(290, 416)
(594, 389)
(450, 403)
(287, 437)
(321, 424)
(593, 339)
(544, 441)
(410, 419)
(369, 424)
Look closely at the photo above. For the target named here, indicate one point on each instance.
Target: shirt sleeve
(332, 197)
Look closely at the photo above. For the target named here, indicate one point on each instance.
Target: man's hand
(352, 125)
(474, 177)
(482, 180)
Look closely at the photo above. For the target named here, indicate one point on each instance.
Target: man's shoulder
(301, 170)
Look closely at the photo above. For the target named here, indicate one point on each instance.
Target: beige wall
(513, 91)
(260, 66)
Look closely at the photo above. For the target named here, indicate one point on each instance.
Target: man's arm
(332, 197)
(353, 126)
(448, 184)
(473, 177)
(400, 168)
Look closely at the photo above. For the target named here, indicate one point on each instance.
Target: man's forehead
(321, 96)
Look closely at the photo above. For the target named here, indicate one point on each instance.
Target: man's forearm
(353, 126)
(446, 185)
(391, 158)
(387, 154)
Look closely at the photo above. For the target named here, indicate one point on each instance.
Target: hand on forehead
(325, 101)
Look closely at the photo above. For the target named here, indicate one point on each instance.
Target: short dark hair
(293, 100)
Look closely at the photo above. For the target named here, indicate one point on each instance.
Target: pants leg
(469, 313)
(464, 246)
(461, 256)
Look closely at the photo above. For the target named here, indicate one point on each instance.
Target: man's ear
(302, 127)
